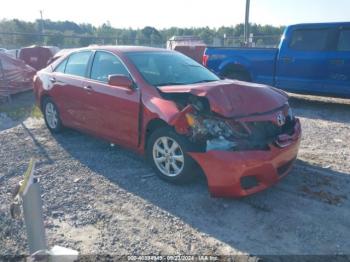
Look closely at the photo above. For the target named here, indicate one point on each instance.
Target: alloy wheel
(168, 156)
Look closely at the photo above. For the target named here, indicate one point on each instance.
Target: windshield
(170, 68)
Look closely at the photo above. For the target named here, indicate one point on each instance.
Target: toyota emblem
(281, 119)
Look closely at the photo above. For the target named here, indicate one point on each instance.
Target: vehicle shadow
(306, 213)
(324, 108)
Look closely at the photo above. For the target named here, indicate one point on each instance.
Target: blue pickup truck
(311, 59)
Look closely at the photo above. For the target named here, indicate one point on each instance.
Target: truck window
(309, 40)
(344, 40)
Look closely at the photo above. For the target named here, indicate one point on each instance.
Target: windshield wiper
(171, 84)
(204, 81)
(178, 83)
(193, 65)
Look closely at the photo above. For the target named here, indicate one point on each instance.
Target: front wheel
(167, 152)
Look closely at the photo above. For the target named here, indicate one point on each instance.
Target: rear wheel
(51, 115)
(167, 153)
(237, 73)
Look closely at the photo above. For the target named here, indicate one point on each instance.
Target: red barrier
(195, 52)
(15, 75)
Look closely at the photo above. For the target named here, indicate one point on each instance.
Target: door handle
(54, 80)
(88, 88)
(286, 59)
(338, 62)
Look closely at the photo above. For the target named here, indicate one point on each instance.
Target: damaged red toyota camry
(243, 136)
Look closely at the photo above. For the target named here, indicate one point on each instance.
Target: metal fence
(14, 40)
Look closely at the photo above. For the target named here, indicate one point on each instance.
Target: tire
(52, 116)
(164, 160)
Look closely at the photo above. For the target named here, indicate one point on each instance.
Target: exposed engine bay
(214, 132)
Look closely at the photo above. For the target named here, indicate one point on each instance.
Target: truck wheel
(237, 74)
(51, 116)
(167, 153)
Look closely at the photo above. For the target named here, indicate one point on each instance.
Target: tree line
(16, 33)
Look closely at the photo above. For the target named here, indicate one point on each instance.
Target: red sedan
(182, 116)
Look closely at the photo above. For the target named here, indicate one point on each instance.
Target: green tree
(70, 34)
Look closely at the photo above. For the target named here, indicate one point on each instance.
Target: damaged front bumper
(242, 173)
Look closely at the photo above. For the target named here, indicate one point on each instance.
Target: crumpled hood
(232, 98)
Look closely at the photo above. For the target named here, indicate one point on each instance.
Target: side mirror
(120, 80)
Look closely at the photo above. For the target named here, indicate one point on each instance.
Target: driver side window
(106, 64)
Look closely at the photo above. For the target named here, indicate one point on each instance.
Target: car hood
(232, 98)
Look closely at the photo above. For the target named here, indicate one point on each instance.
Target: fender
(161, 109)
(179, 121)
(235, 60)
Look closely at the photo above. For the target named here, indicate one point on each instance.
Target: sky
(179, 13)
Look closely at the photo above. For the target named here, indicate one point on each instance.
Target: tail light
(205, 59)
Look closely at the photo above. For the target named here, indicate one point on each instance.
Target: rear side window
(61, 67)
(309, 40)
(78, 63)
(106, 64)
(344, 40)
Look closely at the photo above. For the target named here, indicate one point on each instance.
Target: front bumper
(242, 173)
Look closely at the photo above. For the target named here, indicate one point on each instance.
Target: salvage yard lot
(106, 200)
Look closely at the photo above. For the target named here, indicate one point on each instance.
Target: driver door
(113, 111)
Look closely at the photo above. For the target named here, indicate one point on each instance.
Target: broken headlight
(203, 126)
(217, 128)
(216, 133)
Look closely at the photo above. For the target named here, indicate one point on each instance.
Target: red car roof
(124, 49)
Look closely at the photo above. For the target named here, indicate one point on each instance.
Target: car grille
(266, 132)
(267, 129)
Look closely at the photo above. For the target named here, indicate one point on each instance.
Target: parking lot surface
(100, 199)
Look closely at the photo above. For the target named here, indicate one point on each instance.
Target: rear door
(68, 92)
(339, 64)
(302, 63)
(113, 111)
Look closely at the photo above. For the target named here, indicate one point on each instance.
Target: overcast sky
(180, 13)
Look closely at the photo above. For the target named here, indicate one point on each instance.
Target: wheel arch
(43, 97)
(153, 125)
(236, 68)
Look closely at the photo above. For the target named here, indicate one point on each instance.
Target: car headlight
(205, 126)
(217, 128)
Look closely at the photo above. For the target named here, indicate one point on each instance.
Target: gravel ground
(106, 200)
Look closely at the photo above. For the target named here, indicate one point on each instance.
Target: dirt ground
(106, 200)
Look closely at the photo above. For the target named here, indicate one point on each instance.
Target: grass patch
(36, 112)
(20, 112)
